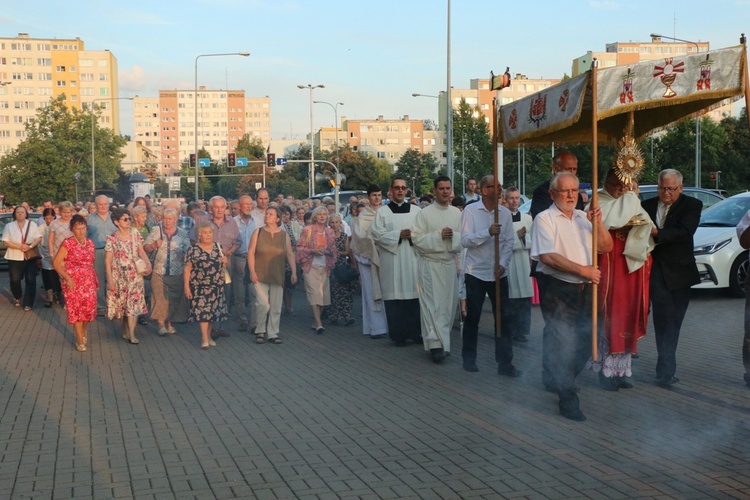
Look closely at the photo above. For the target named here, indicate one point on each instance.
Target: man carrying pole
(483, 268)
(562, 244)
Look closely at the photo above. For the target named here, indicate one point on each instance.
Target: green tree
(472, 144)
(419, 169)
(56, 147)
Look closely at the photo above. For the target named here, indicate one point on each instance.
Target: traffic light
(192, 160)
(232, 160)
(271, 159)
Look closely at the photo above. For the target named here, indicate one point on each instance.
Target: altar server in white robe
(520, 286)
(367, 261)
(391, 231)
(437, 239)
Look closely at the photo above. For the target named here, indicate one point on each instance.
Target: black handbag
(344, 273)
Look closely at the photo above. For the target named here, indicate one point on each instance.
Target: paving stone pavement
(342, 416)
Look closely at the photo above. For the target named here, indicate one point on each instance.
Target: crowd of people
(418, 263)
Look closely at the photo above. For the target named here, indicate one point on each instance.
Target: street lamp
(93, 120)
(195, 104)
(336, 120)
(449, 103)
(311, 182)
(697, 119)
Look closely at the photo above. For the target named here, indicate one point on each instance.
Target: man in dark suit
(564, 161)
(674, 270)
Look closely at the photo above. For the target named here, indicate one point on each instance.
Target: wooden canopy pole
(498, 330)
(743, 41)
(594, 203)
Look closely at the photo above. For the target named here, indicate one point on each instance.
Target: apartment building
(35, 70)
(389, 139)
(166, 124)
(623, 53)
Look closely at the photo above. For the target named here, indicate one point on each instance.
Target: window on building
(60, 69)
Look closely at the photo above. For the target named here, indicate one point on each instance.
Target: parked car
(709, 197)
(5, 219)
(722, 262)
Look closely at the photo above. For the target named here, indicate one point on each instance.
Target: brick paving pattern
(343, 416)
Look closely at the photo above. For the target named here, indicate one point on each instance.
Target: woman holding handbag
(317, 254)
(342, 286)
(22, 238)
(126, 299)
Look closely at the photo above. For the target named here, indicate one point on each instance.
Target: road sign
(175, 184)
(281, 162)
(204, 162)
(242, 162)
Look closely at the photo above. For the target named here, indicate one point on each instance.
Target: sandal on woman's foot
(134, 341)
(16, 303)
(204, 345)
(171, 329)
(260, 338)
(275, 340)
(163, 330)
(81, 348)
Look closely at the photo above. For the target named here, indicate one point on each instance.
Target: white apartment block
(35, 70)
(166, 124)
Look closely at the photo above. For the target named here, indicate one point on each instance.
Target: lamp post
(697, 119)
(336, 120)
(195, 104)
(311, 182)
(93, 121)
(448, 133)
(449, 104)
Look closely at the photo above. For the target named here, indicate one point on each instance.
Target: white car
(722, 262)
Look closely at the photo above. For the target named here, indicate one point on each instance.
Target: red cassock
(623, 297)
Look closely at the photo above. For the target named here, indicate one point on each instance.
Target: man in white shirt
(470, 194)
(391, 231)
(259, 212)
(481, 269)
(562, 244)
(246, 225)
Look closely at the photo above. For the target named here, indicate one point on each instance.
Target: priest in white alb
(391, 231)
(437, 239)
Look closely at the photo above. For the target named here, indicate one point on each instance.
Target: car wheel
(738, 276)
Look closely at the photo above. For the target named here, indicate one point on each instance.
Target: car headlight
(711, 247)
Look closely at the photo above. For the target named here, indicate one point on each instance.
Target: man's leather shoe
(553, 389)
(470, 366)
(608, 383)
(509, 371)
(437, 355)
(573, 414)
(667, 383)
(624, 383)
(400, 343)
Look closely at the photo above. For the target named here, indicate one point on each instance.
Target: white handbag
(227, 276)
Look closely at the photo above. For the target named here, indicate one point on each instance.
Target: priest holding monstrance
(625, 271)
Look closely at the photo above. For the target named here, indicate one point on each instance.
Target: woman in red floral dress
(74, 262)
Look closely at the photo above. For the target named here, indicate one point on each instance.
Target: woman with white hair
(317, 254)
(169, 245)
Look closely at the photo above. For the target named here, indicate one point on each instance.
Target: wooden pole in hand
(594, 203)
(498, 329)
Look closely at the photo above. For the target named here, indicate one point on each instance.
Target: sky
(370, 55)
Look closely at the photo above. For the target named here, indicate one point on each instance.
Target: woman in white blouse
(20, 236)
